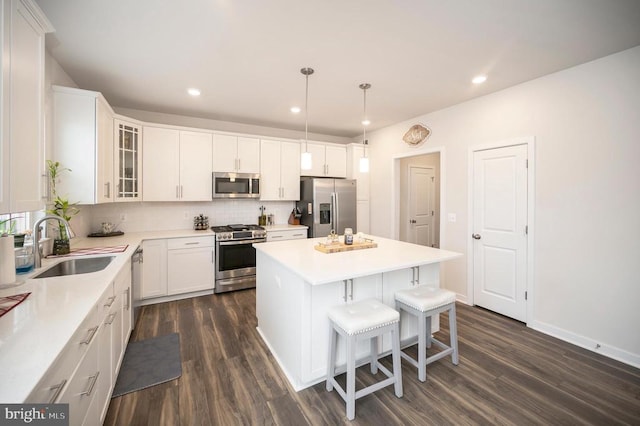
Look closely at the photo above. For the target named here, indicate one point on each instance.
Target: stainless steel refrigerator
(327, 204)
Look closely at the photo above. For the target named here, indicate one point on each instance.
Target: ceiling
(245, 56)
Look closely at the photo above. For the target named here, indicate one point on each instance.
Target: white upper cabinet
(161, 169)
(83, 143)
(236, 154)
(327, 160)
(22, 105)
(176, 165)
(354, 153)
(127, 160)
(279, 170)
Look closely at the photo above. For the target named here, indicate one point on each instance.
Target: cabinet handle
(47, 194)
(177, 191)
(127, 293)
(94, 379)
(297, 235)
(110, 319)
(181, 191)
(417, 275)
(212, 257)
(90, 335)
(192, 243)
(58, 388)
(345, 290)
(276, 236)
(239, 165)
(110, 302)
(107, 190)
(351, 295)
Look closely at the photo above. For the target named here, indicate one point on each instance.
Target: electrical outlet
(185, 215)
(452, 217)
(123, 217)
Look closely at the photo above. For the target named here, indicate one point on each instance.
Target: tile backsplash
(138, 217)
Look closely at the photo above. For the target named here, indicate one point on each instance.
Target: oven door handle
(233, 243)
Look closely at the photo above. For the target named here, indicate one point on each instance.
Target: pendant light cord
(306, 114)
(364, 87)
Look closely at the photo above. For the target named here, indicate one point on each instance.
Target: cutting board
(340, 247)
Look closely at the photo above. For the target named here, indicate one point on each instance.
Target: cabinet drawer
(190, 242)
(289, 234)
(57, 378)
(82, 387)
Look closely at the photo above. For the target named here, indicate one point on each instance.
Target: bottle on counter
(348, 236)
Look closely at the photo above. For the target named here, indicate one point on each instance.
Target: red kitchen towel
(9, 302)
(94, 250)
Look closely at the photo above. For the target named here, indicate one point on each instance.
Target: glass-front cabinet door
(128, 160)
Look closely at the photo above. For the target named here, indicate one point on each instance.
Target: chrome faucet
(36, 236)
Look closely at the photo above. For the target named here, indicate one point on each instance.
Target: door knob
(412, 221)
(476, 236)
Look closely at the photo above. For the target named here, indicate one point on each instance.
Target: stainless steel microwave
(236, 185)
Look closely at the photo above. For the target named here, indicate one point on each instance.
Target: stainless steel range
(236, 257)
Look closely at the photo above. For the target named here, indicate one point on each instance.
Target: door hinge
(526, 163)
(525, 295)
(432, 213)
(433, 179)
(526, 230)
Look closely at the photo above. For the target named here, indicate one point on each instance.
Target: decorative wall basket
(416, 135)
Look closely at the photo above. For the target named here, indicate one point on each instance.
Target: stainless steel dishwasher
(136, 278)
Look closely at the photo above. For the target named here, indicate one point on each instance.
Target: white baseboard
(587, 343)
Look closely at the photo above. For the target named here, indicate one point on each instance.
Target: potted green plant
(60, 207)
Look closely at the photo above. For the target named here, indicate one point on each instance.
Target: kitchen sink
(76, 266)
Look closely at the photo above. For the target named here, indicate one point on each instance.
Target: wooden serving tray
(340, 247)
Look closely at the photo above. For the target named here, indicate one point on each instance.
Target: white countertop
(35, 332)
(315, 267)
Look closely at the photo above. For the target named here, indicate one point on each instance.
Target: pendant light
(364, 160)
(305, 157)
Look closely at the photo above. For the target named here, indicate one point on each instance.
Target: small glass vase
(61, 246)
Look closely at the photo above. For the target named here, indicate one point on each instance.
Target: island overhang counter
(296, 285)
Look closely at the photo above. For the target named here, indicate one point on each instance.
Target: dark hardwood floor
(508, 375)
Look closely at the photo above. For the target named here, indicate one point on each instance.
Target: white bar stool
(425, 302)
(367, 319)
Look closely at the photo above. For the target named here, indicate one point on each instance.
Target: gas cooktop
(236, 227)
(239, 232)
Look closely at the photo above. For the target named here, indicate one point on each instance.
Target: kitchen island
(297, 284)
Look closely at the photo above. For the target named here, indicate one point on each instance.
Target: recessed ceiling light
(479, 79)
(193, 91)
(295, 109)
(366, 122)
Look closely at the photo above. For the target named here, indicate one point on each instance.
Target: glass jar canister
(348, 236)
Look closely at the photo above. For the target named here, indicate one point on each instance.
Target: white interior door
(421, 205)
(500, 230)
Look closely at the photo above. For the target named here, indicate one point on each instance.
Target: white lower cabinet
(324, 297)
(190, 264)
(154, 269)
(177, 266)
(86, 370)
(81, 389)
(401, 280)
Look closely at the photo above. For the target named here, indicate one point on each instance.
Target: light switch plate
(452, 217)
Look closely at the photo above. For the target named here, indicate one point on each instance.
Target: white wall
(586, 124)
